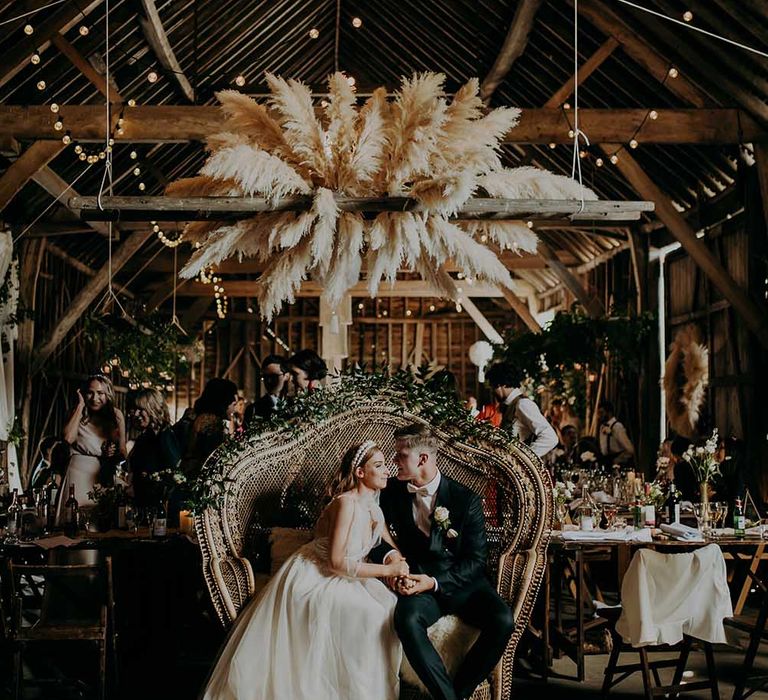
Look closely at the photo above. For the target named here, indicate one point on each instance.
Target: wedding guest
(564, 456)
(471, 405)
(42, 471)
(307, 370)
(274, 374)
(731, 483)
(615, 445)
(95, 432)
(522, 416)
(156, 447)
(212, 413)
(554, 415)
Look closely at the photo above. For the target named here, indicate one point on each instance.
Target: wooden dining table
(570, 569)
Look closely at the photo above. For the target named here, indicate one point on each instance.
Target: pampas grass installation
(686, 377)
(441, 152)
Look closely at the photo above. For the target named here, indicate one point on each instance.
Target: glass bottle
(13, 526)
(672, 504)
(739, 520)
(71, 514)
(30, 524)
(120, 498)
(160, 524)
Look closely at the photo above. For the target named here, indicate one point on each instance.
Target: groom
(441, 533)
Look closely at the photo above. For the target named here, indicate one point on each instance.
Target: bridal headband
(358, 458)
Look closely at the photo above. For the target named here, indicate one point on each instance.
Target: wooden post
(86, 296)
(700, 254)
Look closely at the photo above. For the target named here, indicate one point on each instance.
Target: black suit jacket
(262, 407)
(457, 563)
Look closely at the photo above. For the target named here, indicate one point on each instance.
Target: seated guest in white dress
(323, 627)
(95, 432)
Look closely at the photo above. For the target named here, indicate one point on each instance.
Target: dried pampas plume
(421, 144)
(686, 377)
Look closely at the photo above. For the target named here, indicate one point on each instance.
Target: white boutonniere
(442, 518)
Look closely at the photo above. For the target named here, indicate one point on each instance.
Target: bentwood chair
(278, 480)
(75, 603)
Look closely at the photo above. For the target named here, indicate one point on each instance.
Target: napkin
(57, 541)
(682, 532)
(629, 534)
(603, 497)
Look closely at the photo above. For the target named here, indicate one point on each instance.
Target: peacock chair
(278, 479)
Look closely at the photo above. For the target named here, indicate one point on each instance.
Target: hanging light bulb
(54, 107)
(567, 105)
(134, 155)
(34, 59)
(58, 124)
(83, 30)
(102, 155)
(137, 171)
(82, 156)
(599, 162)
(552, 145)
(571, 133)
(431, 307)
(131, 102)
(653, 114)
(240, 80)
(673, 72)
(687, 15)
(408, 312)
(111, 142)
(614, 159)
(351, 81)
(357, 22)
(142, 186)
(78, 149)
(29, 29)
(582, 154)
(66, 139)
(152, 76)
(313, 33)
(155, 228)
(529, 224)
(633, 143)
(41, 84)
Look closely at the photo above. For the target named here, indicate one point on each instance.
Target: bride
(323, 629)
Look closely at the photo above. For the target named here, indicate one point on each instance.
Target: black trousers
(483, 609)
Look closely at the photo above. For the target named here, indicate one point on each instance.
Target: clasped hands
(403, 582)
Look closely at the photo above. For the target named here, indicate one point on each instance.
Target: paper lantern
(480, 353)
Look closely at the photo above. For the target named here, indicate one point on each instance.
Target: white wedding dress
(313, 634)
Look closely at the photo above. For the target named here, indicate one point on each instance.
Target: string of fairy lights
(91, 154)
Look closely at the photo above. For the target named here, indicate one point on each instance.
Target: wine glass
(721, 512)
(702, 513)
(610, 511)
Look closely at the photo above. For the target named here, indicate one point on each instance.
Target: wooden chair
(278, 479)
(77, 604)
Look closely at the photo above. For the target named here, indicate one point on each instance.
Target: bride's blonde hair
(356, 456)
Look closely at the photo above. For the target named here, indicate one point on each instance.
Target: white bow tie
(418, 490)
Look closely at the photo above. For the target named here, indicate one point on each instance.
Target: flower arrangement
(656, 495)
(563, 492)
(166, 481)
(422, 145)
(702, 460)
(588, 458)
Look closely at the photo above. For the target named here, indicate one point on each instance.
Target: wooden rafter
(58, 21)
(78, 61)
(179, 123)
(60, 189)
(81, 267)
(25, 167)
(163, 292)
(234, 208)
(85, 297)
(401, 288)
(753, 316)
(592, 305)
(521, 309)
(158, 40)
(638, 48)
(590, 66)
(513, 46)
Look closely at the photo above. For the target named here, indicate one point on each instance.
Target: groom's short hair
(417, 436)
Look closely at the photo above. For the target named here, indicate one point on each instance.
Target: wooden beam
(521, 309)
(25, 167)
(761, 163)
(80, 266)
(641, 51)
(698, 251)
(592, 305)
(513, 46)
(195, 312)
(233, 208)
(179, 123)
(79, 62)
(158, 40)
(638, 246)
(60, 20)
(85, 297)
(590, 66)
(60, 189)
(163, 292)
(401, 288)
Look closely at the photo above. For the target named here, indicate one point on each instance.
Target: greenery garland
(434, 400)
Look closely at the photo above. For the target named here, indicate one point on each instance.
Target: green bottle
(739, 520)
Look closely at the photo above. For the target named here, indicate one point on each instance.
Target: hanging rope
(577, 132)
